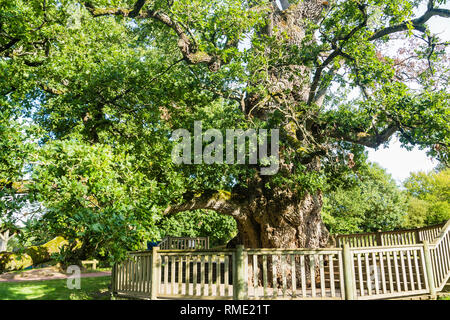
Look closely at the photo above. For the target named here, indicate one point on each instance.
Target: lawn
(91, 289)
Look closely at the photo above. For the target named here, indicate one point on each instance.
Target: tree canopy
(108, 81)
(429, 198)
(372, 203)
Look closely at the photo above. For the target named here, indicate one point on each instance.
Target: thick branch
(219, 201)
(6, 235)
(284, 4)
(187, 47)
(365, 139)
(417, 23)
(9, 45)
(337, 52)
(318, 74)
(137, 8)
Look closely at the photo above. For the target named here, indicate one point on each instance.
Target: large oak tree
(334, 76)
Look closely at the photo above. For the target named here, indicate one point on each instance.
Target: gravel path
(49, 273)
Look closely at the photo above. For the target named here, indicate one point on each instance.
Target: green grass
(88, 270)
(91, 289)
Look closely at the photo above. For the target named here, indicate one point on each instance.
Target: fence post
(429, 268)
(156, 272)
(336, 240)
(238, 278)
(348, 273)
(379, 238)
(417, 235)
(113, 280)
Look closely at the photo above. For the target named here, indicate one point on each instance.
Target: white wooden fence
(389, 238)
(293, 274)
(351, 272)
(440, 258)
(385, 272)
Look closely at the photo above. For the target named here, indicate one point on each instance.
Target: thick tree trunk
(281, 218)
(283, 222)
(4, 238)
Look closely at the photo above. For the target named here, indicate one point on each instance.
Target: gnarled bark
(283, 222)
(267, 218)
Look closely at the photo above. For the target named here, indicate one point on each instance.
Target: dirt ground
(47, 273)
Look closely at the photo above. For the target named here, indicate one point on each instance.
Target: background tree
(14, 155)
(372, 202)
(127, 73)
(93, 199)
(429, 198)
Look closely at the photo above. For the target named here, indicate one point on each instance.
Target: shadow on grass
(91, 289)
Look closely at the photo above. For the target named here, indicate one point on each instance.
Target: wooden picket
(196, 274)
(184, 243)
(440, 257)
(134, 275)
(294, 274)
(360, 270)
(384, 272)
(389, 238)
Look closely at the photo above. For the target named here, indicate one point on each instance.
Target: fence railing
(440, 257)
(371, 272)
(389, 238)
(182, 243)
(384, 272)
(134, 276)
(199, 275)
(293, 274)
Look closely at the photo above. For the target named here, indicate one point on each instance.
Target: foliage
(416, 213)
(107, 82)
(92, 195)
(15, 151)
(372, 203)
(429, 198)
